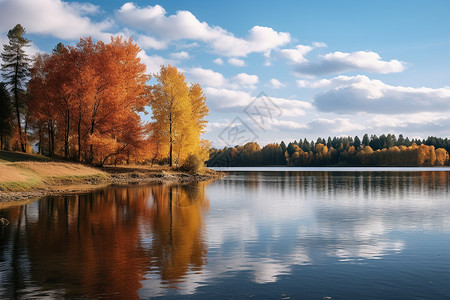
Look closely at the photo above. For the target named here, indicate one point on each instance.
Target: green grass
(32, 181)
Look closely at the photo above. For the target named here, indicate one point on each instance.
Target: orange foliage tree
(89, 97)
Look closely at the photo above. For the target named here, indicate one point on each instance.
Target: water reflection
(261, 234)
(295, 219)
(105, 243)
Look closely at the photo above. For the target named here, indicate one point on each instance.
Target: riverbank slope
(25, 176)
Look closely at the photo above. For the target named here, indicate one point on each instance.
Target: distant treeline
(385, 150)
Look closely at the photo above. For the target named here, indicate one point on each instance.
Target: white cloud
(85, 8)
(148, 42)
(153, 62)
(296, 55)
(292, 107)
(362, 94)
(403, 120)
(260, 39)
(335, 125)
(286, 124)
(245, 79)
(180, 55)
(218, 61)
(338, 81)
(52, 17)
(184, 25)
(210, 78)
(276, 84)
(220, 98)
(319, 45)
(234, 100)
(236, 62)
(206, 77)
(339, 62)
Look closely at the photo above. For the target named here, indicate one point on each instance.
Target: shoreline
(116, 175)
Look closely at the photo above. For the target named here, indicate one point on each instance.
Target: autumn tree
(179, 112)
(91, 95)
(120, 93)
(15, 69)
(199, 112)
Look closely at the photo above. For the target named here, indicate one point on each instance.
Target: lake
(346, 233)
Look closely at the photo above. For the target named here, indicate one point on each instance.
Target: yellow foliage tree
(180, 114)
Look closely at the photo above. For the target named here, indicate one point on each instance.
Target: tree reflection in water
(103, 244)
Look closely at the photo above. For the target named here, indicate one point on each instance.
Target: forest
(86, 103)
(385, 150)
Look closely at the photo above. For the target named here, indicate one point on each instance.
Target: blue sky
(327, 67)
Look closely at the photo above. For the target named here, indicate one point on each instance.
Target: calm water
(304, 234)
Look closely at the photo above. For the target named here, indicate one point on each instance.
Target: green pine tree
(15, 67)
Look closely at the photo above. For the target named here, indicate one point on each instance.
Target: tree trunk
(170, 142)
(156, 154)
(66, 136)
(79, 137)
(40, 140)
(19, 126)
(16, 102)
(51, 138)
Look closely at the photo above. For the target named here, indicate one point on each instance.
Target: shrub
(192, 164)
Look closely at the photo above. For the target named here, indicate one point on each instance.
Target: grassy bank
(23, 176)
(22, 172)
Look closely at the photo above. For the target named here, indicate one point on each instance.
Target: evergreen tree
(15, 69)
(5, 115)
(365, 140)
(283, 146)
(357, 142)
(306, 145)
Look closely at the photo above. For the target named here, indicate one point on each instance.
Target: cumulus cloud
(85, 8)
(362, 94)
(319, 45)
(206, 77)
(276, 84)
(260, 39)
(403, 120)
(337, 125)
(338, 81)
(180, 55)
(340, 62)
(148, 42)
(221, 98)
(236, 62)
(286, 124)
(228, 100)
(153, 62)
(53, 17)
(210, 78)
(218, 61)
(246, 79)
(296, 55)
(184, 25)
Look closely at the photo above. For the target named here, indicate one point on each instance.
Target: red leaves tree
(89, 97)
